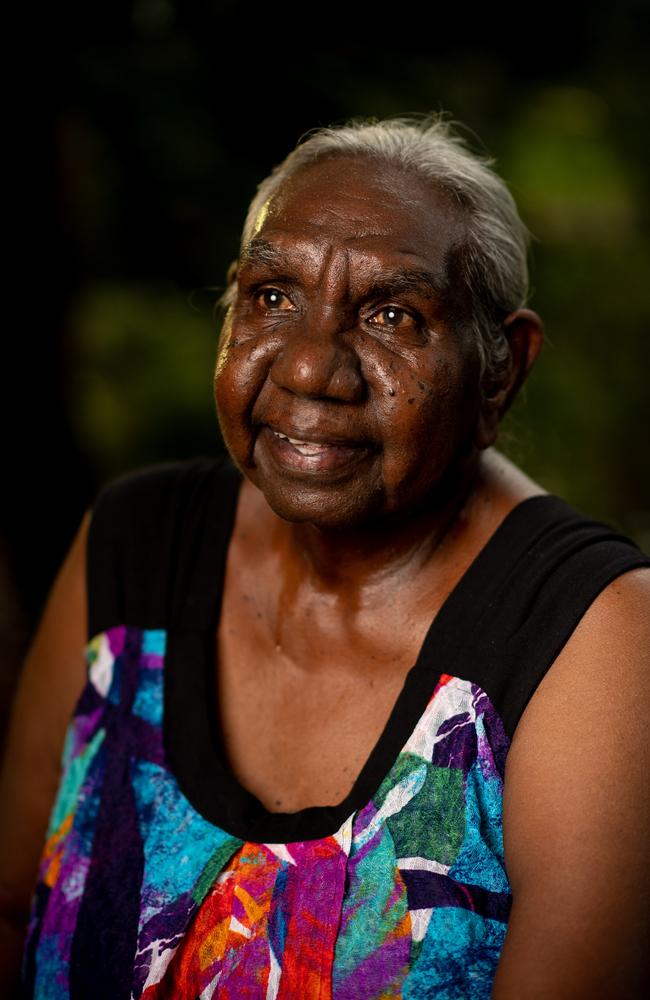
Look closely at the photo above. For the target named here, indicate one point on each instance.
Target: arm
(51, 682)
(577, 813)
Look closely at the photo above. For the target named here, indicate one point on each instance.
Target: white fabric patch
(101, 671)
(422, 864)
(420, 923)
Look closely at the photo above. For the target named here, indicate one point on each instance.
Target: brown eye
(393, 318)
(273, 299)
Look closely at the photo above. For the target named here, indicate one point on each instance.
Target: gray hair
(491, 263)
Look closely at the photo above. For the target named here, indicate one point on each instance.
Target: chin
(329, 509)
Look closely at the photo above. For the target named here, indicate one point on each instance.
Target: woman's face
(345, 389)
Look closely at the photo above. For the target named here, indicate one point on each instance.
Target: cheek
(451, 394)
(240, 373)
(422, 395)
(431, 417)
(242, 365)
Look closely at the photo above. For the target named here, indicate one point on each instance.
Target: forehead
(366, 210)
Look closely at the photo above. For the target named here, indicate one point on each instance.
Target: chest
(308, 671)
(297, 731)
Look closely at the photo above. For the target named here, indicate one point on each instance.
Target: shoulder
(604, 663)
(141, 524)
(148, 486)
(546, 567)
(577, 805)
(147, 499)
(600, 681)
(616, 622)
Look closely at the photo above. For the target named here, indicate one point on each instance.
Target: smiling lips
(304, 447)
(302, 455)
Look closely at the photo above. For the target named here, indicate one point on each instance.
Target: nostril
(321, 367)
(346, 383)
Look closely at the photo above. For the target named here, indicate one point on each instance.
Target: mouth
(315, 453)
(304, 447)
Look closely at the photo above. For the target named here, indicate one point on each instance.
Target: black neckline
(191, 728)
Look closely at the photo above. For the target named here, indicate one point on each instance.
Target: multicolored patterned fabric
(409, 898)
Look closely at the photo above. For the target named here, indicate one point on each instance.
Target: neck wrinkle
(362, 561)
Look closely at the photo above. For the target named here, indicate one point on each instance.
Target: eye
(273, 300)
(394, 318)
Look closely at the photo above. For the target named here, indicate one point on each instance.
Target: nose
(318, 361)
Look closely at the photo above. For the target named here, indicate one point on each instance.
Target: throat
(388, 552)
(311, 597)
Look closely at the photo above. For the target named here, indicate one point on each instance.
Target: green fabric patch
(74, 776)
(219, 860)
(432, 823)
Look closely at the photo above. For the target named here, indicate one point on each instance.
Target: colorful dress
(162, 877)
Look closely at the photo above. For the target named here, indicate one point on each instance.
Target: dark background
(137, 133)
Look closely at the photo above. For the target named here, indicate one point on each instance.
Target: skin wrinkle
(320, 544)
(329, 278)
(392, 285)
(347, 563)
(325, 610)
(262, 253)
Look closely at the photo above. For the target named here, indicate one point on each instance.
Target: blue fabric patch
(480, 860)
(153, 642)
(458, 959)
(148, 701)
(177, 841)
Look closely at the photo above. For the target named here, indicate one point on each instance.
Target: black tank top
(163, 877)
(158, 561)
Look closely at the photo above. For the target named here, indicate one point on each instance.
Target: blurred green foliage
(141, 375)
(161, 151)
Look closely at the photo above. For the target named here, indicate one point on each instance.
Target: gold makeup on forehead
(261, 216)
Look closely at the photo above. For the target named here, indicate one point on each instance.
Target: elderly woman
(362, 712)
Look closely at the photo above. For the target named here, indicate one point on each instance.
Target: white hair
(491, 263)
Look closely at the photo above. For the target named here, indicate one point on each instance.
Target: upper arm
(51, 682)
(577, 812)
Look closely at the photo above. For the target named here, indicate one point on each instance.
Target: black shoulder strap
(521, 601)
(145, 532)
(156, 556)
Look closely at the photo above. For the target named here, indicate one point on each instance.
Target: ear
(524, 331)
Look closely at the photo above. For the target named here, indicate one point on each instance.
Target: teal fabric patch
(481, 861)
(458, 958)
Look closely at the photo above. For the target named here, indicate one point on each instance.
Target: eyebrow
(260, 251)
(397, 282)
(386, 283)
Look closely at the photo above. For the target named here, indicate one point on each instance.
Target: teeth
(304, 447)
(309, 449)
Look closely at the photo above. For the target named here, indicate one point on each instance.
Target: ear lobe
(524, 332)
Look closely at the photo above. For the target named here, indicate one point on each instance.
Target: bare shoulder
(577, 811)
(605, 665)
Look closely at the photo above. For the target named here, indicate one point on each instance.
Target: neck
(360, 559)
